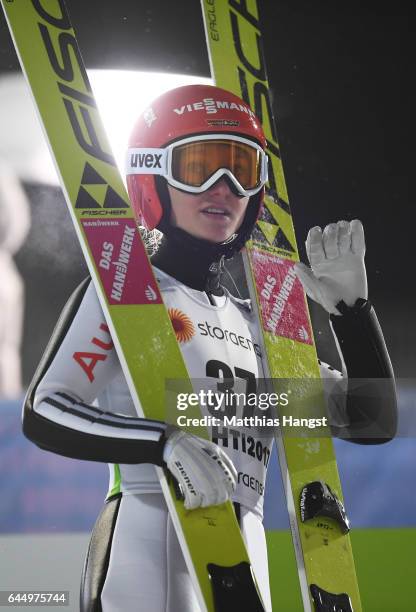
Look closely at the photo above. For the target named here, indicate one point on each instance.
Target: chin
(217, 239)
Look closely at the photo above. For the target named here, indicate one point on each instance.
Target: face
(214, 215)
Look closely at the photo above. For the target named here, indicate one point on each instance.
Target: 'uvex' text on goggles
(194, 164)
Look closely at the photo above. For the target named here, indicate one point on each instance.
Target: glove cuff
(361, 307)
(171, 437)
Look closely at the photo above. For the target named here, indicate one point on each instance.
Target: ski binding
(234, 588)
(317, 499)
(329, 602)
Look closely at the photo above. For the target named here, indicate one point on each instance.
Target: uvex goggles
(194, 164)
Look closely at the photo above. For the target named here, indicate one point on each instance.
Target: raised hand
(337, 272)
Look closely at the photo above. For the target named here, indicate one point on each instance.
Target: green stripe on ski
(143, 334)
(237, 64)
(115, 480)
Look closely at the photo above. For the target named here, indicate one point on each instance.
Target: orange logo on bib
(182, 325)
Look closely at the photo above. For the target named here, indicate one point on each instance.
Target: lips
(216, 211)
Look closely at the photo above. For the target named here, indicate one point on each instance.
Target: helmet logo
(149, 116)
(223, 122)
(209, 105)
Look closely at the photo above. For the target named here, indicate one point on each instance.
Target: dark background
(341, 76)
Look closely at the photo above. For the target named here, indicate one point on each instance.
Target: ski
(50, 58)
(308, 464)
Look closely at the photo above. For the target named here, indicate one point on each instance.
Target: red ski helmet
(179, 116)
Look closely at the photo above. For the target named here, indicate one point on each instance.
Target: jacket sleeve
(59, 413)
(368, 394)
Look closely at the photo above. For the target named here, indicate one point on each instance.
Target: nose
(221, 187)
(224, 187)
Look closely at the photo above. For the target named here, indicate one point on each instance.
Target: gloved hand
(206, 474)
(337, 270)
